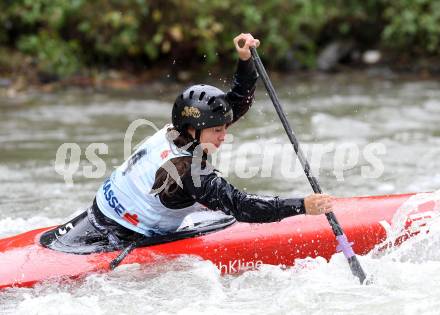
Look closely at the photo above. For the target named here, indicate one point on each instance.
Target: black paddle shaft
(336, 227)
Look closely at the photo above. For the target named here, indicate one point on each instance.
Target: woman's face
(211, 138)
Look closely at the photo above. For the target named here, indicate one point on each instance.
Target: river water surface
(365, 136)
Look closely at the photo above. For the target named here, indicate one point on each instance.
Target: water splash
(417, 224)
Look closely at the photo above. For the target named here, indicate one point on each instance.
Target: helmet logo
(190, 111)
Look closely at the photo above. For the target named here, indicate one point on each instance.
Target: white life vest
(126, 197)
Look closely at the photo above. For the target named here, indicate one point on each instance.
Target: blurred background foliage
(66, 37)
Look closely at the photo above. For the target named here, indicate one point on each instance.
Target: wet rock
(289, 62)
(333, 53)
(20, 84)
(371, 57)
(4, 82)
(46, 77)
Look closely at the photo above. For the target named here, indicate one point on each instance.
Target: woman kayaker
(169, 176)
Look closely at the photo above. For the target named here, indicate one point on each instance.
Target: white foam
(80, 114)
(326, 126)
(10, 226)
(50, 304)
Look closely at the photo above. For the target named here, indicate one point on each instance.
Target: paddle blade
(356, 269)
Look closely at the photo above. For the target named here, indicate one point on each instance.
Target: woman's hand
(318, 204)
(242, 43)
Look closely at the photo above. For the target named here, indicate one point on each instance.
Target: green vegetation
(64, 37)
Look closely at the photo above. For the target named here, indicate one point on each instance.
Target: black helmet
(201, 106)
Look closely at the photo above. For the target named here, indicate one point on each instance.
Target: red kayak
(240, 246)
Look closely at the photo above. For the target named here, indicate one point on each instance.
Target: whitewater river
(365, 135)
